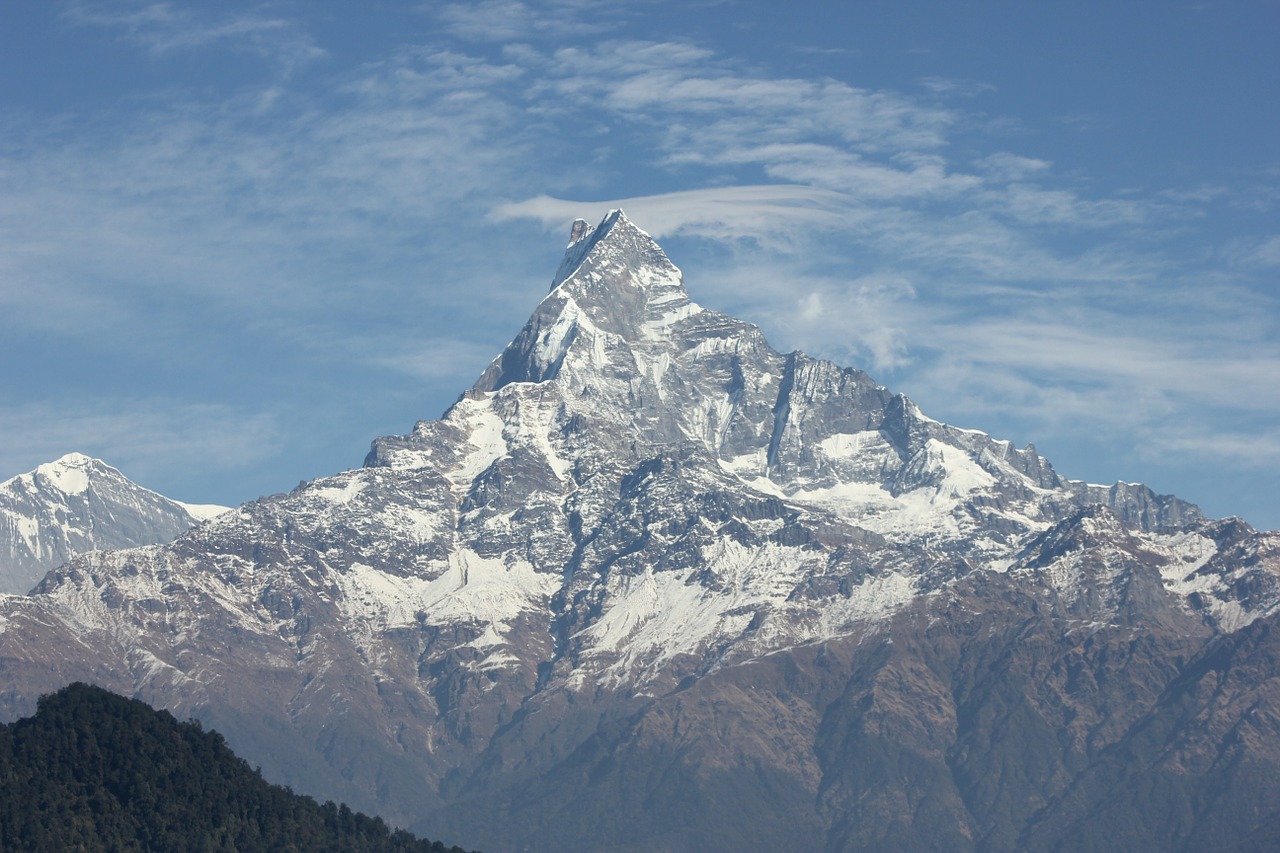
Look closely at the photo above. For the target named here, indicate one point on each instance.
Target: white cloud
(1006, 166)
(866, 320)
(1252, 450)
(167, 28)
(904, 176)
(1262, 253)
(512, 20)
(949, 86)
(670, 83)
(770, 214)
(1102, 350)
(449, 361)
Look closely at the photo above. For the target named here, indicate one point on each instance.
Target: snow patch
(484, 428)
(537, 418)
(844, 444)
(960, 475)
(659, 328)
(68, 474)
(552, 342)
(910, 515)
(343, 493)
(1187, 553)
(468, 589)
(751, 465)
(204, 512)
(655, 616)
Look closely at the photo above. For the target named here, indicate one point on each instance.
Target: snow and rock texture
(650, 584)
(78, 504)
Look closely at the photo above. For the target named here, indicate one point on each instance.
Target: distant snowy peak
(69, 475)
(75, 473)
(77, 504)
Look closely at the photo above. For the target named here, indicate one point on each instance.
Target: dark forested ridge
(95, 771)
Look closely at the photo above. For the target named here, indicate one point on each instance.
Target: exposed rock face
(650, 584)
(78, 504)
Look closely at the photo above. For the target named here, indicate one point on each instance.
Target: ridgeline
(95, 771)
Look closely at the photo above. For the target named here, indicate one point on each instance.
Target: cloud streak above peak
(766, 212)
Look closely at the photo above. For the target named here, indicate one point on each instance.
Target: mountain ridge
(76, 504)
(649, 563)
(92, 770)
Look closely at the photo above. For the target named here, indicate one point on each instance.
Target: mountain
(78, 504)
(96, 771)
(651, 584)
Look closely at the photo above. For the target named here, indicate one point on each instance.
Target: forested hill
(95, 771)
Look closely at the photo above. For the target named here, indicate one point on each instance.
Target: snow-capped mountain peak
(615, 303)
(76, 504)
(646, 539)
(68, 474)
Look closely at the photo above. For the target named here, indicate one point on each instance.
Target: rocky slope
(651, 584)
(77, 504)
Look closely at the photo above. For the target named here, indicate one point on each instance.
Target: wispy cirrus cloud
(880, 150)
(513, 20)
(955, 87)
(766, 213)
(164, 28)
(668, 80)
(1258, 252)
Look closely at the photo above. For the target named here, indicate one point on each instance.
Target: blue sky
(240, 240)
